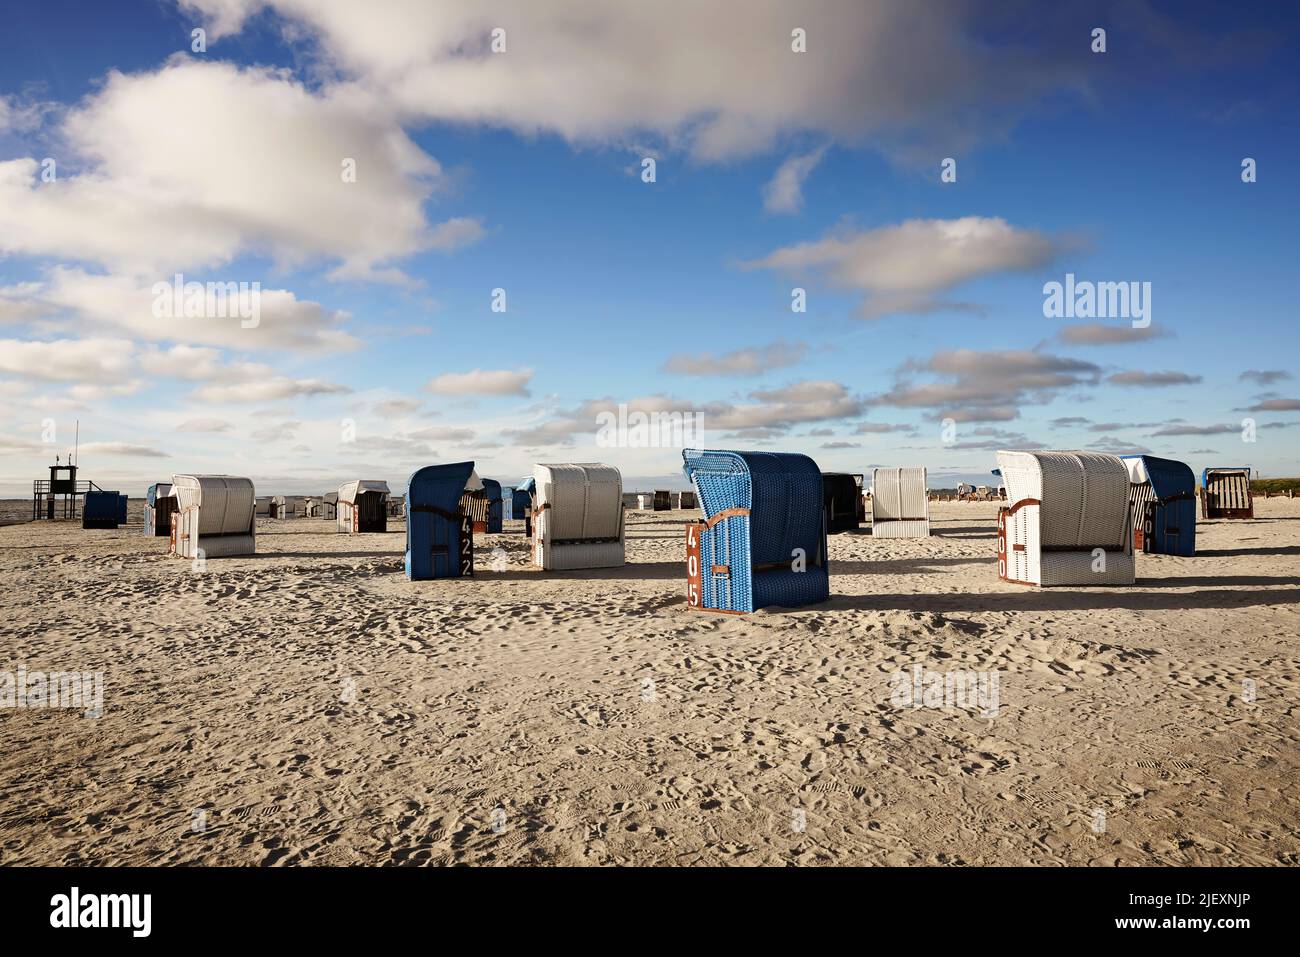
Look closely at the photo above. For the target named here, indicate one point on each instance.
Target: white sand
(525, 690)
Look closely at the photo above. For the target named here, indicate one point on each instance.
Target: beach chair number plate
(1002, 544)
(466, 549)
(694, 581)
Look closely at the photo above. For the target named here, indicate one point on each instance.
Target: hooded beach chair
(492, 488)
(662, 501)
(215, 516)
(101, 509)
(578, 517)
(1069, 521)
(262, 507)
(525, 494)
(900, 503)
(159, 504)
(840, 497)
(763, 540)
(1162, 502)
(687, 501)
(439, 536)
(362, 506)
(1225, 493)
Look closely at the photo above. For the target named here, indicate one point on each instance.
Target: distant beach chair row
(1073, 518)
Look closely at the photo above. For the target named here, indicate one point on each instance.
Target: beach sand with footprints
(309, 705)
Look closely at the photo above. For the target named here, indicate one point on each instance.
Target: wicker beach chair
(840, 496)
(215, 516)
(492, 489)
(101, 509)
(578, 517)
(763, 540)
(900, 503)
(439, 536)
(362, 506)
(159, 505)
(1225, 493)
(1162, 505)
(1069, 521)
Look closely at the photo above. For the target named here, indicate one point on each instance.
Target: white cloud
(595, 71)
(125, 305)
(752, 361)
(82, 360)
(197, 163)
(268, 390)
(783, 193)
(482, 382)
(204, 425)
(121, 448)
(905, 268)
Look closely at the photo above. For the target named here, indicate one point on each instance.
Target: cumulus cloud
(204, 425)
(1102, 334)
(1275, 405)
(104, 361)
(1264, 376)
(908, 267)
(752, 361)
(624, 72)
(482, 382)
(1152, 380)
(975, 386)
(121, 304)
(268, 390)
(256, 167)
(783, 193)
(121, 448)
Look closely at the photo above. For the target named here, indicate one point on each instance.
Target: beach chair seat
(578, 517)
(1225, 493)
(763, 538)
(1069, 521)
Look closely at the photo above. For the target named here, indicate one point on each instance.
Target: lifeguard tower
(58, 497)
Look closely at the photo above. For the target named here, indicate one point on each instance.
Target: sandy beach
(309, 705)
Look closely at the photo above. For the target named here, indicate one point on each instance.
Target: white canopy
(225, 502)
(349, 491)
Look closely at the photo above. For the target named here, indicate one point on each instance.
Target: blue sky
(521, 170)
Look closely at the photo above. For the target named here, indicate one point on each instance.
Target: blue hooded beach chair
(439, 537)
(159, 505)
(763, 541)
(1162, 497)
(101, 509)
(494, 517)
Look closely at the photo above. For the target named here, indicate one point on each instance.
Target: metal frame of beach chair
(1162, 503)
(439, 535)
(763, 538)
(1069, 523)
(900, 503)
(1225, 493)
(578, 517)
(216, 516)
